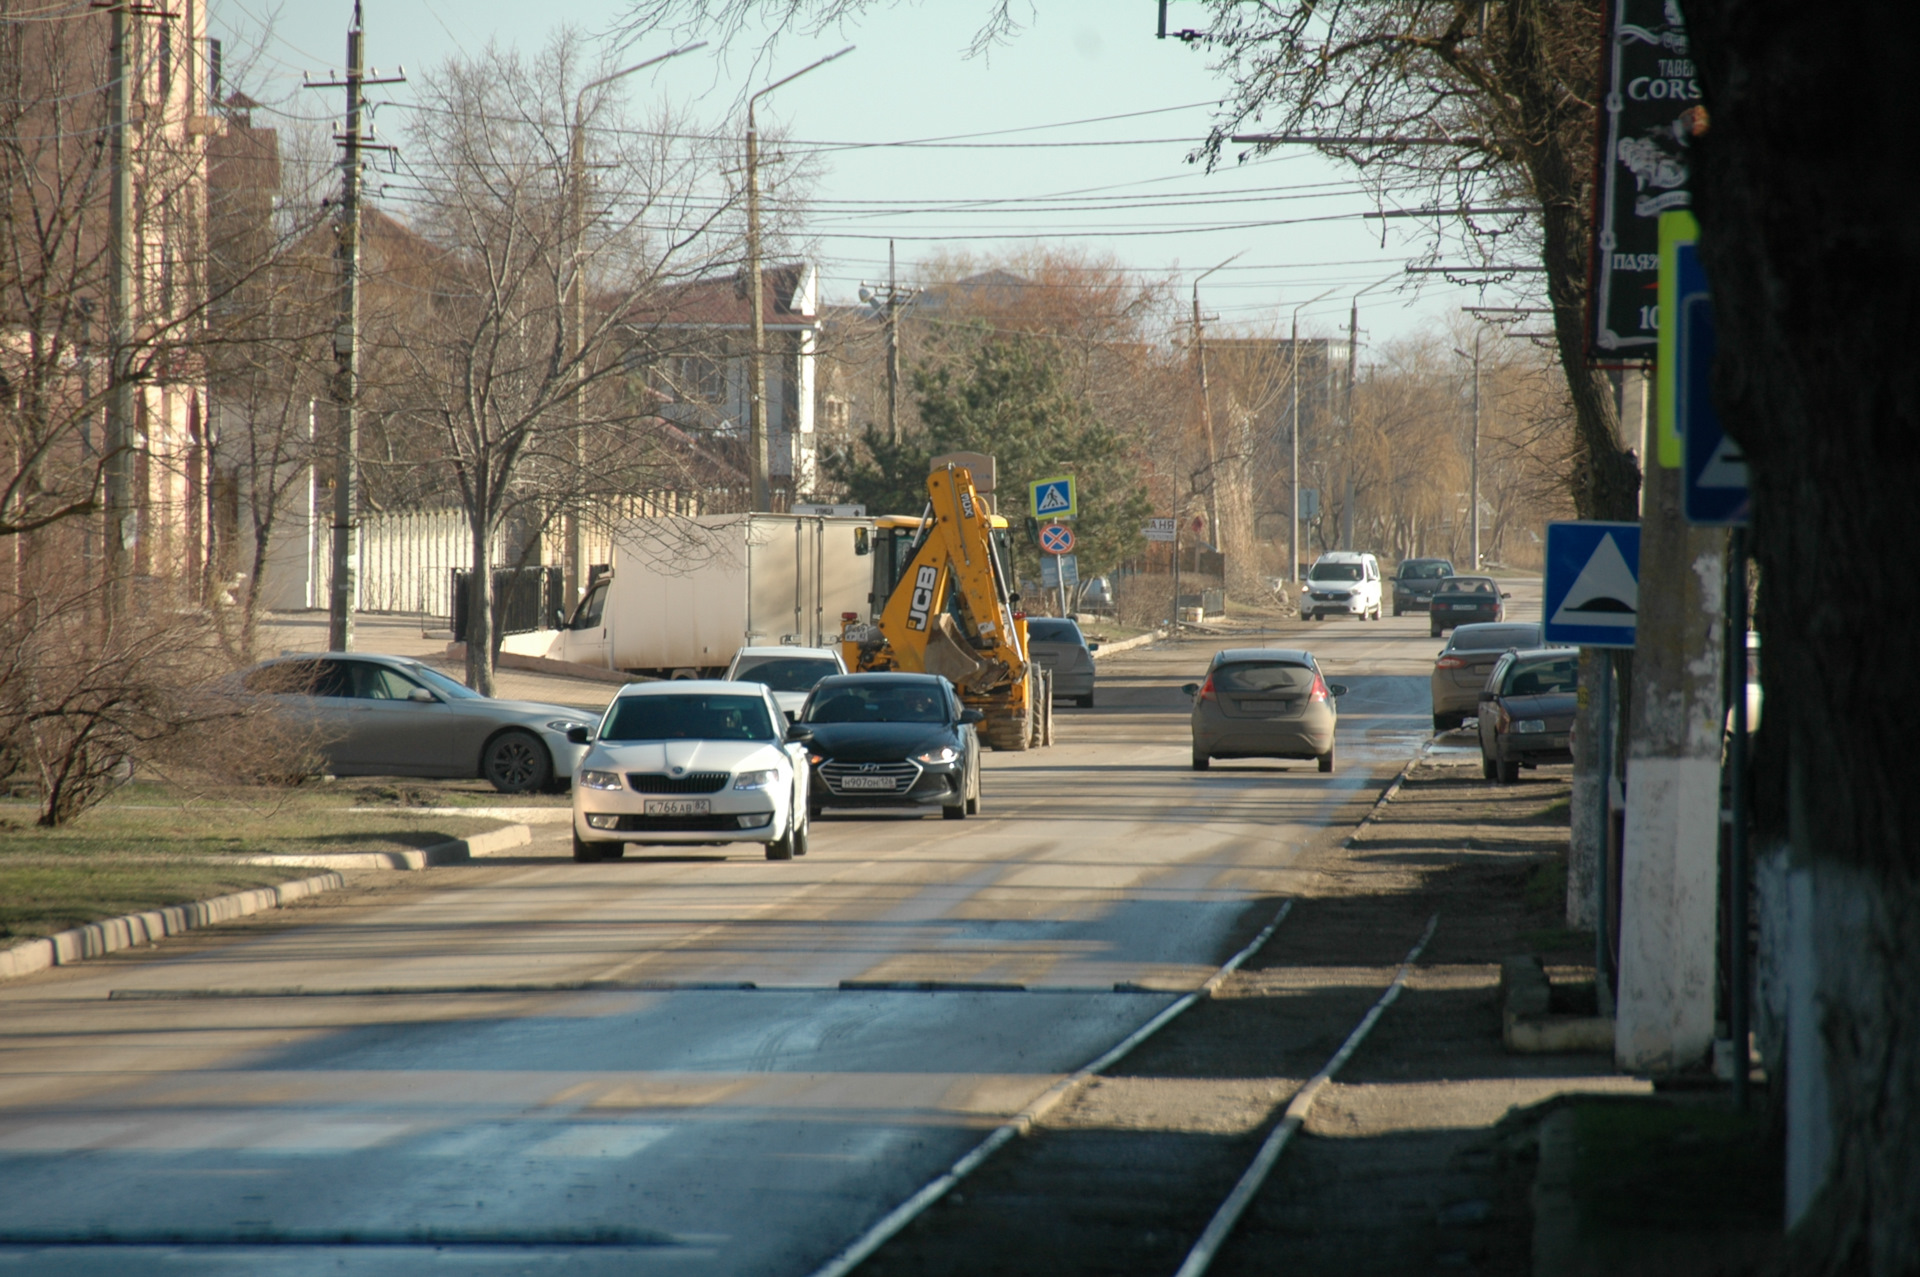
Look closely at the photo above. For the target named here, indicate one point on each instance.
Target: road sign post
(1592, 584)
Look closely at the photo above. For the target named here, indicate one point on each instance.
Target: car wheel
(1200, 762)
(516, 763)
(973, 803)
(1086, 702)
(813, 811)
(583, 851)
(1508, 772)
(802, 837)
(1440, 723)
(1326, 761)
(1397, 609)
(1433, 631)
(1487, 769)
(781, 848)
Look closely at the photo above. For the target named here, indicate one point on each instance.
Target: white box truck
(686, 593)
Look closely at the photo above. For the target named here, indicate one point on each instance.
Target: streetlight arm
(797, 74)
(638, 66)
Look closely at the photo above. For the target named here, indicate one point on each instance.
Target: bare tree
(478, 355)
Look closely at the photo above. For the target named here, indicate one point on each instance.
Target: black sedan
(1526, 712)
(1465, 600)
(892, 740)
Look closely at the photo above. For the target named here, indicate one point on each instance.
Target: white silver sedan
(691, 762)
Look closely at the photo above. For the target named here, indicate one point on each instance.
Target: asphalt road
(427, 1086)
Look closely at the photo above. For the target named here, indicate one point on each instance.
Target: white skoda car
(692, 762)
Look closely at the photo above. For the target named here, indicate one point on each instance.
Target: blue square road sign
(1593, 583)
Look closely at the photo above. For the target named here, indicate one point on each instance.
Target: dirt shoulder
(1404, 1166)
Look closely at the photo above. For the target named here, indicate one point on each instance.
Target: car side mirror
(579, 736)
(1093, 647)
(972, 716)
(798, 735)
(793, 715)
(1336, 690)
(421, 696)
(1488, 694)
(1506, 594)
(1191, 689)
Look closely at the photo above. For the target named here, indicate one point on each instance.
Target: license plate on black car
(867, 782)
(679, 806)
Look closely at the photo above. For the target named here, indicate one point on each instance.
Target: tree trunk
(480, 608)
(1807, 232)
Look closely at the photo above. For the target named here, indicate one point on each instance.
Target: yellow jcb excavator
(951, 613)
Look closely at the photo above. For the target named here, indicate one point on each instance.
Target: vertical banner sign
(1652, 114)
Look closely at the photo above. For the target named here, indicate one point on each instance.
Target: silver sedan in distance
(394, 716)
(1462, 667)
(1262, 702)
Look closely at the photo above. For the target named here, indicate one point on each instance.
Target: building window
(697, 379)
(834, 414)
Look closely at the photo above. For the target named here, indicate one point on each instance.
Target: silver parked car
(1461, 669)
(1263, 702)
(1058, 645)
(394, 716)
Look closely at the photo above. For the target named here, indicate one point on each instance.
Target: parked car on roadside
(1342, 583)
(1058, 645)
(892, 740)
(788, 672)
(1263, 702)
(1461, 669)
(1526, 711)
(699, 761)
(1462, 600)
(371, 715)
(1414, 582)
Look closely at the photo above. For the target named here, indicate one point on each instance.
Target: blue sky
(1121, 185)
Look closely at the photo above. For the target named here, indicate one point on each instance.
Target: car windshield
(1425, 571)
(688, 716)
(1539, 678)
(785, 673)
(1468, 585)
(1053, 631)
(1494, 638)
(442, 684)
(1262, 676)
(878, 703)
(1334, 572)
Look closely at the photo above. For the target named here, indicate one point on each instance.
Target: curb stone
(1127, 645)
(455, 851)
(65, 948)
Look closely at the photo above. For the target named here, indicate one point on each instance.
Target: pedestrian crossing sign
(1054, 498)
(1593, 583)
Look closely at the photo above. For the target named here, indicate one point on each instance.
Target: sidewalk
(1423, 1154)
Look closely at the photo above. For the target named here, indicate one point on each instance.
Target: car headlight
(601, 780)
(561, 725)
(1531, 725)
(945, 754)
(757, 780)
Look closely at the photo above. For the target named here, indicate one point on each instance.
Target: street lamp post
(1353, 360)
(757, 360)
(1293, 506)
(1206, 407)
(575, 569)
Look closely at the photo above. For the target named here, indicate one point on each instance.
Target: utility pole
(762, 496)
(574, 570)
(895, 298)
(1346, 414)
(120, 530)
(345, 386)
(1473, 484)
(1206, 410)
(1293, 502)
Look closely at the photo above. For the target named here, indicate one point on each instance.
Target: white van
(1342, 583)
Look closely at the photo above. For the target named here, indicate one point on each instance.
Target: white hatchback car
(698, 761)
(1342, 583)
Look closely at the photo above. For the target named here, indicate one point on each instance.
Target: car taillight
(1319, 692)
(1450, 663)
(1206, 689)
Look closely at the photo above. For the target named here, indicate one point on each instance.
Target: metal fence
(524, 599)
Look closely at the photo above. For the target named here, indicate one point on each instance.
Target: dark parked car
(393, 716)
(1414, 582)
(1058, 645)
(1460, 600)
(1462, 667)
(1526, 712)
(892, 740)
